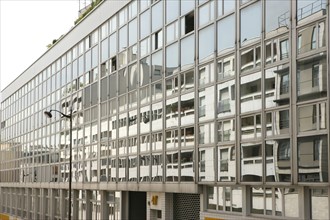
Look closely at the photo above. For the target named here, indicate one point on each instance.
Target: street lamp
(49, 115)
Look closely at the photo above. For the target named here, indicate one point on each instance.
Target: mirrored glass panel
(251, 162)
(226, 34)
(172, 166)
(206, 164)
(277, 17)
(251, 23)
(206, 108)
(226, 163)
(145, 162)
(313, 159)
(251, 92)
(312, 78)
(310, 8)
(226, 98)
(206, 43)
(320, 204)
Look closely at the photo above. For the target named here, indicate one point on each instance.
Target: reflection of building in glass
(181, 110)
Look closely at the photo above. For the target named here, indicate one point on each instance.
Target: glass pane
(172, 59)
(251, 162)
(277, 16)
(306, 8)
(251, 92)
(312, 159)
(251, 23)
(226, 163)
(206, 42)
(319, 203)
(157, 16)
(187, 51)
(226, 34)
(132, 32)
(310, 75)
(206, 164)
(172, 10)
(145, 24)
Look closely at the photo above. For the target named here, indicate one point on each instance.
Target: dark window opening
(113, 64)
(189, 22)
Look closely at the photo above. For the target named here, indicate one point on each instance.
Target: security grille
(186, 206)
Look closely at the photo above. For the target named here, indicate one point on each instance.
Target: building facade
(181, 110)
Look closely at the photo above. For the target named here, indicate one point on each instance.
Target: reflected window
(251, 127)
(311, 38)
(310, 75)
(311, 154)
(312, 117)
(226, 98)
(251, 162)
(206, 133)
(251, 92)
(206, 74)
(206, 164)
(187, 81)
(226, 67)
(226, 130)
(250, 59)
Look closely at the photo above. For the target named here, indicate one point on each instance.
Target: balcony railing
(310, 9)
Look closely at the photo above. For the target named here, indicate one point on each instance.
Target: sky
(27, 27)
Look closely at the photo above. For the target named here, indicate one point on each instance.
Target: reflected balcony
(224, 106)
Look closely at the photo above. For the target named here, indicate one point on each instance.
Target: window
(284, 150)
(312, 117)
(284, 49)
(188, 23)
(250, 59)
(223, 159)
(311, 38)
(206, 42)
(284, 119)
(316, 150)
(277, 18)
(251, 127)
(315, 75)
(226, 67)
(226, 34)
(251, 23)
(113, 64)
(157, 41)
(284, 86)
(226, 130)
(206, 13)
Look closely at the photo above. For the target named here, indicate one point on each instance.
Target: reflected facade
(203, 109)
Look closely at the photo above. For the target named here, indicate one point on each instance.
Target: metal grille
(186, 206)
